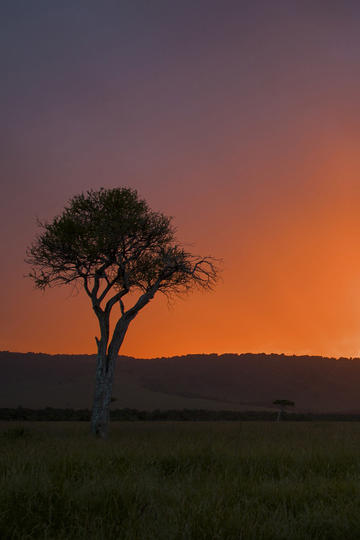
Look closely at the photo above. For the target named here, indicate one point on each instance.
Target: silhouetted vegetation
(51, 414)
(282, 404)
(113, 245)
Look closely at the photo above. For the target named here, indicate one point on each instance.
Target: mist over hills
(196, 381)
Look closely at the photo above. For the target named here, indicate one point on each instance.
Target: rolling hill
(228, 381)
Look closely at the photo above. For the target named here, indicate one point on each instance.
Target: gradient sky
(239, 118)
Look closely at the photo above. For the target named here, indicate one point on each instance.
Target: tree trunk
(102, 397)
(279, 414)
(106, 359)
(105, 369)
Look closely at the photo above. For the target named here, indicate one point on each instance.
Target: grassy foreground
(167, 481)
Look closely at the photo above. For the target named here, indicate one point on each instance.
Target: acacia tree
(116, 247)
(282, 404)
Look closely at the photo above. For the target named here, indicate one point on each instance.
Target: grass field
(167, 481)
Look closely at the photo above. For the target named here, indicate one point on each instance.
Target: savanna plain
(180, 480)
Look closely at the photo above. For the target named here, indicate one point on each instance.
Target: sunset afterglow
(239, 119)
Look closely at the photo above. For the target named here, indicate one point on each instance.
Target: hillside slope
(229, 381)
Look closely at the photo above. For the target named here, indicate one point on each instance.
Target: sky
(238, 118)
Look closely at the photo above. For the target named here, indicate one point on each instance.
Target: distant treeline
(190, 415)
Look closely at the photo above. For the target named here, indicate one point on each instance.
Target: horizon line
(193, 354)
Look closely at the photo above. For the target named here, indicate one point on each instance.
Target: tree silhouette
(282, 404)
(116, 247)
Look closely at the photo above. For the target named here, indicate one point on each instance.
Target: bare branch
(111, 282)
(116, 298)
(86, 286)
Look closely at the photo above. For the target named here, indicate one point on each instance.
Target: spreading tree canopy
(114, 245)
(282, 404)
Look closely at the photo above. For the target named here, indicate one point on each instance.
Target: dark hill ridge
(228, 381)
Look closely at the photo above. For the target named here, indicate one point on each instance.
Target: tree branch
(86, 286)
(116, 298)
(143, 300)
(121, 273)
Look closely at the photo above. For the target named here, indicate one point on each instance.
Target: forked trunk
(106, 359)
(105, 369)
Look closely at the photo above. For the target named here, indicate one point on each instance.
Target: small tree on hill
(282, 404)
(111, 242)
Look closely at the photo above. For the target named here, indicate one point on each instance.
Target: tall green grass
(167, 481)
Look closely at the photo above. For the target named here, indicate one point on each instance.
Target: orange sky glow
(251, 143)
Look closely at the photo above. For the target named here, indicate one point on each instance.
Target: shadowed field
(176, 480)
